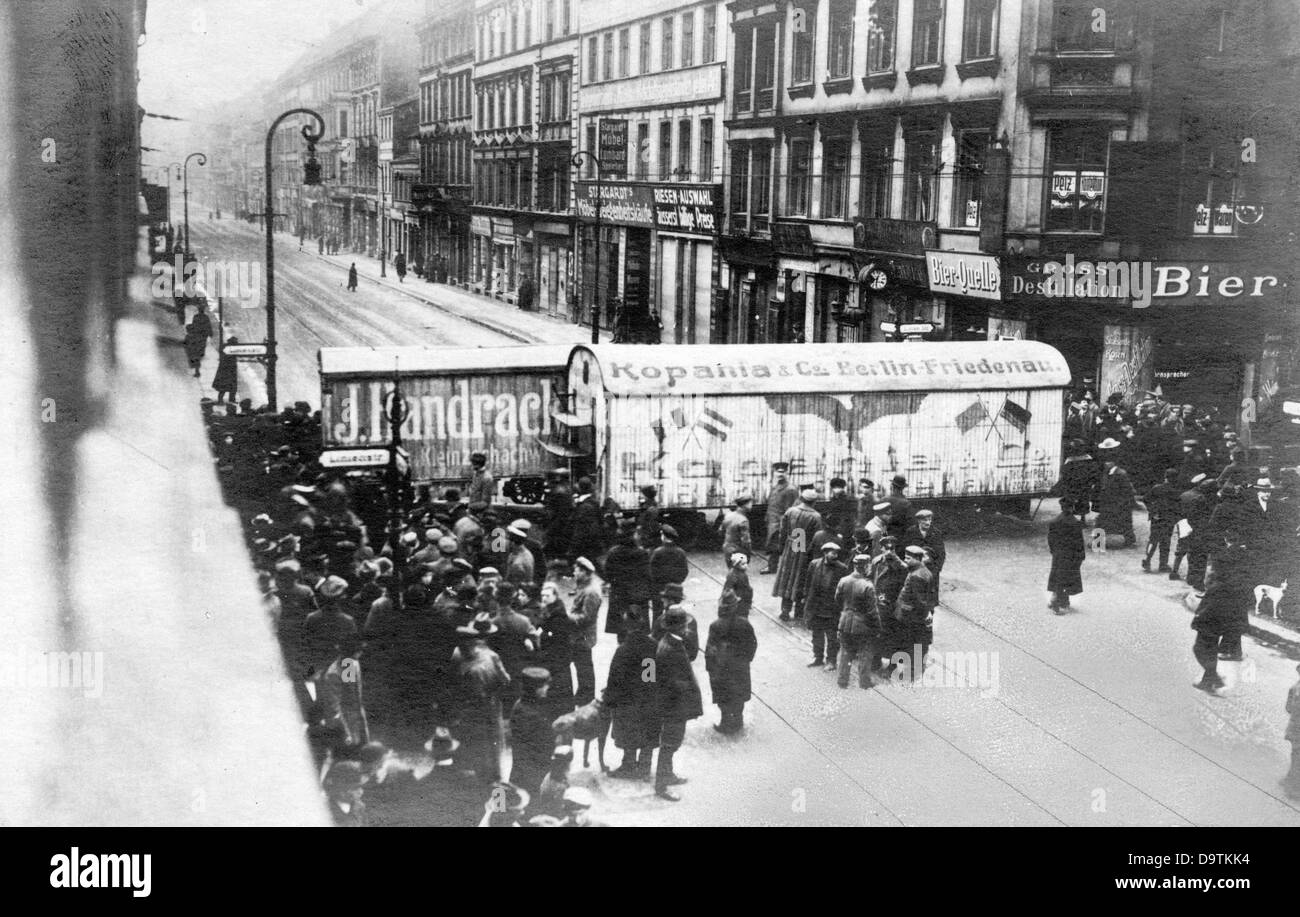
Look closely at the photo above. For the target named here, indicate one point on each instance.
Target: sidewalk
(493, 314)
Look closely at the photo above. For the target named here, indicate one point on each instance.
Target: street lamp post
(396, 410)
(185, 193)
(577, 159)
(311, 177)
(169, 196)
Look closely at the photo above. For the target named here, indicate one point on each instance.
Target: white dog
(1273, 593)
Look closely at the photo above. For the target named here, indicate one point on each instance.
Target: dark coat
(667, 565)
(1162, 504)
(1116, 502)
(792, 568)
(1225, 608)
(627, 570)
(631, 696)
(197, 333)
(730, 649)
(532, 742)
(227, 375)
(679, 696)
(823, 577)
(555, 654)
(915, 606)
(932, 540)
(1078, 481)
(738, 582)
(1065, 541)
(558, 505)
(588, 533)
(900, 509)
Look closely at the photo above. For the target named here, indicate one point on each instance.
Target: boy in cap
(584, 614)
(728, 653)
(916, 609)
(678, 696)
(820, 607)
(923, 532)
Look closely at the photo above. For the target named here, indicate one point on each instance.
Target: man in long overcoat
(678, 696)
(627, 570)
(631, 697)
(915, 609)
(1116, 499)
(1065, 542)
(1224, 613)
(730, 649)
(780, 499)
(798, 526)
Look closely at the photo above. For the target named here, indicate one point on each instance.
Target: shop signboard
(908, 237)
(613, 147)
(964, 274)
(670, 207)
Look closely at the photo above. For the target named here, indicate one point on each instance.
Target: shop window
(709, 52)
(979, 36)
(835, 178)
(920, 175)
(739, 181)
(804, 43)
(877, 170)
(1076, 193)
(665, 150)
(688, 38)
(706, 150)
(881, 25)
(839, 52)
(927, 33)
(972, 157)
(800, 173)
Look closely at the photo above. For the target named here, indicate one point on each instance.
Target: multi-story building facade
(442, 196)
(521, 225)
(651, 109)
(404, 172)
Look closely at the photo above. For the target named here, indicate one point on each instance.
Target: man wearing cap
(647, 522)
(841, 513)
(627, 567)
(924, 533)
(631, 698)
(1197, 504)
(859, 624)
(519, 567)
(1115, 513)
(588, 530)
(735, 529)
(532, 741)
(482, 486)
(1162, 513)
(558, 513)
(1068, 550)
(679, 699)
(915, 612)
(878, 525)
(781, 497)
(900, 507)
(584, 614)
(667, 564)
(821, 610)
(483, 682)
(328, 633)
(730, 649)
(866, 503)
(1223, 614)
(798, 526)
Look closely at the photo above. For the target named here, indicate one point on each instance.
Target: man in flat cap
(587, 537)
(900, 507)
(915, 611)
(647, 522)
(878, 526)
(841, 513)
(924, 533)
(667, 564)
(482, 486)
(798, 526)
(519, 563)
(821, 611)
(735, 529)
(859, 624)
(584, 614)
(679, 699)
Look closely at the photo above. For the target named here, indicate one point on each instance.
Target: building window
(1085, 26)
(877, 171)
(765, 68)
(684, 149)
(968, 186)
(706, 150)
(744, 69)
(624, 51)
(979, 39)
(1076, 194)
(665, 150)
(1216, 189)
(805, 41)
(739, 180)
(920, 166)
(762, 179)
(835, 178)
(593, 52)
(666, 44)
(800, 173)
(927, 33)
(550, 19)
(643, 151)
(839, 52)
(644, 40)
(688, 39)
(708, 54)
(607, 59)
(567, 19)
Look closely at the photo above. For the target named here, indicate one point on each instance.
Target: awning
(746, 252)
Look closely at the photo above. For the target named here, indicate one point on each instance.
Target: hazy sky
(199, 53)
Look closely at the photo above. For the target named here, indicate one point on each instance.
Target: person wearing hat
(678, 699)
(532, 740)
(924, 533)
(513, 641)
(859, 624)
(798, 526)
(1079, 477)
(866, 503)
(556, 637)
(505, 806)
(557, 514)
(584, 614)
(1223, 614)
(647, 520)
(821, 611)
(519, 562)
(841, 511)
(631, 698)
(1066, 543)
(1116, 496)
(728, 652)
(328, 633)
(900, 515)
(627, 567)
(735, 529)
(878, 526)
(1197, 505)
(483, 682)
(779, 499)
(482, 485)
(588, 530)
(470, 531)
(737, 581)
(1162, 513)
(914, 610)
(1291, 782)
(667, 564)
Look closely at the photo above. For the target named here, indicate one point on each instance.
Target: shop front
(554, 245)
(756, 305)
(894, 301)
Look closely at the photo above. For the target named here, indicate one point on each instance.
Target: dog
(1272, 593)
(589, 723)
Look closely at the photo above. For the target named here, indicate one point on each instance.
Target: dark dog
(588, 723)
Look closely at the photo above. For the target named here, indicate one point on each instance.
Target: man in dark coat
(842, 512)
(678, 698)
(532, 741)
(923, 533)
(1162, 514)
(798, 526)
(821, 610)
(647, 522)
(1115, 515)
(888, 573)
(1066, 544)
(779, 499)
(1224, 613)
(730, 649)
(1078, 482)
(588, 530)
(900, 507)
(632, 699)
(915, 610)
(627, 570)
(558, 511)
(352, 278)
(859, 625)
(197, 333)
(737, 581)
(226, 380)
(1196, 505)
(667, 564)
(399, 263)
(735, 529)
(585, 613)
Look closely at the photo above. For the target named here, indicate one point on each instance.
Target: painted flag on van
(972, 417)
(1015, 415)
(713, 423)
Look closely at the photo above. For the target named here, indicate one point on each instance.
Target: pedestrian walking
(1066, 544)
(483, 682)
(320, 245)
(352, 278)
(525, 297)
(798, 526)
(859, 624)
(632, 698)
(1162, 513)
(779, 499)
(728, 652)
(1224, 612)
(399, 264)
(679, 700)
(584, 614)
(226, 380)
(1116, 496)
(821, 611)
(197, 333)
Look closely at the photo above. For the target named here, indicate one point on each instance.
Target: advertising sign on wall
(675, 208)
